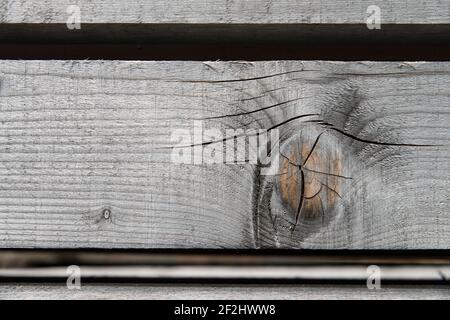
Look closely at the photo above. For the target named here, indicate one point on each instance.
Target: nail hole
(106, 214)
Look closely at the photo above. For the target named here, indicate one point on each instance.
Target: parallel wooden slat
(81, 137)
(226, 12)
(211, 291)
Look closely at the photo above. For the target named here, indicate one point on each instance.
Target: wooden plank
(226, 12)
(212, 291)
(265, 274)
(81, 139)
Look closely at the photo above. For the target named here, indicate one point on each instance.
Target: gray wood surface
(226, 12)
(81, 137)
(211, 291)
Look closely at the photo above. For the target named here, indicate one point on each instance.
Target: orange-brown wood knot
(310, 176)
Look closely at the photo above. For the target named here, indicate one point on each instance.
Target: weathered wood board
(86, 155)
(224, 292)
(226, 12)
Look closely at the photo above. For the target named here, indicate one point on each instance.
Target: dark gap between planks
(225, 42)
(12, 258)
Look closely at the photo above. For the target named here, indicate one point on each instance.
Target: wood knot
(310, 175)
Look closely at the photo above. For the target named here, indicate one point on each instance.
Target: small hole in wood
(106, 214)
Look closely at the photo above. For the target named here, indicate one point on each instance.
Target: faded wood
(211, 291)
(226, 12)
(81, 137)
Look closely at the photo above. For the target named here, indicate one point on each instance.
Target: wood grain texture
(226, 12)
(79, 137)
(210, 291)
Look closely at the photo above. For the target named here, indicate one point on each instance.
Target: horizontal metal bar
(245, 273)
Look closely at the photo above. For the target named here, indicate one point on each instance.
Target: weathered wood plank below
(211, 291)
(81, 137)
